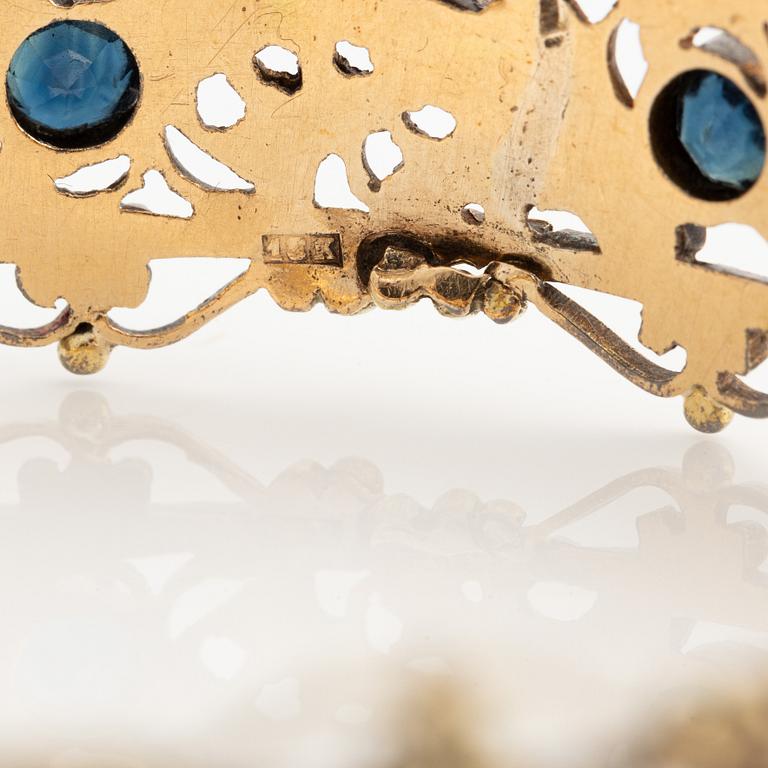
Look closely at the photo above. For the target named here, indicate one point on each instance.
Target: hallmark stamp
(315, 250)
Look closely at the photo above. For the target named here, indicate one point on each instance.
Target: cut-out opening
(178, 286)
(89, 180)
(279, 67)
(593, 11)
(352, 60)
(16, 309)
(469, 269)
(432, 122)
(332, 189)
(626, 61)
(156, 198)
(473, 213)
(757, 378)
(624, 317)
(469, 5)
(561, 229)
(707, 136)
(732, 248)
(219, 105)
(720, 42)
(382, 158)
(199, 167)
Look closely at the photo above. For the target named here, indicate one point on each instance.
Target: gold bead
(503, 303)
(704, 414)
(84, 352)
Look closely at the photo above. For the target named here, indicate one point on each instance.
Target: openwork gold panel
(378, 153)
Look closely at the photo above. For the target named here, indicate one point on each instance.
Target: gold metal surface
(540, 122)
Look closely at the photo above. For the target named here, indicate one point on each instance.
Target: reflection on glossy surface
(317, 619)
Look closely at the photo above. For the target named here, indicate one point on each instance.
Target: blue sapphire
(722, 132)
(708, 136)
(73, 84)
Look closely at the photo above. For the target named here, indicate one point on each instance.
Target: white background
(261, 546)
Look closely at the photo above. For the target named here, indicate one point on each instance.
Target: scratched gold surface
(538, 123)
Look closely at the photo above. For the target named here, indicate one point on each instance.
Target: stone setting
(73, 85)
(708, 136)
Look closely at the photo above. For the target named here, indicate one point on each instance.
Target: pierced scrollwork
(532, 121)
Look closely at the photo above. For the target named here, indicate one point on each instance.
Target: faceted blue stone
(721, 131)
(73, 84)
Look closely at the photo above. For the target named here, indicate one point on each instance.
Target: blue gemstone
(73, 84)
(721, 131)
